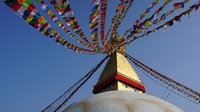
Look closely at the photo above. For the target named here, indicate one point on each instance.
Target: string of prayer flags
(72, 20)
(126, 10)
(103, 8)
(151, 6)
(163, 17)
(116, 20)
(66, 8)
(146, 11)
(32, 17)
(67, 15)
(93, 23)
(127, 4)
(159, 10)
(116, 24)
(146, 24)
(136, 29)
(26, 10)
(53, 17)
(168, 23)
(113, 19)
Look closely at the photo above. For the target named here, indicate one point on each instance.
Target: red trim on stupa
(122, 79)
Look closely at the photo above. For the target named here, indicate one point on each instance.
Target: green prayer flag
(157, 1)
(56, 7)
(26, 3)
(52, 33)
(33, 22)
(67, 8)
(167, 1)
(43, 22)
(132, 32)
(74, 24)
(10, 2)
(37, 1)
(63, 6)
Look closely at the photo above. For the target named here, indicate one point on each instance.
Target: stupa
(119, 89)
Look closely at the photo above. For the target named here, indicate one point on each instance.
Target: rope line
(170, 90)
(188, 93)
(62, 100)
(164, 85)
(164, 93)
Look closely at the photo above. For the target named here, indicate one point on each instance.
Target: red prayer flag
(178, 5)
(16, 6)
(45, 25)
(53, 16)
(55, 35)
(36, 25)
(46, 33)
(197, 7)
(31, 8)
(76, 27)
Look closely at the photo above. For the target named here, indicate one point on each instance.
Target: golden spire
(118, 75)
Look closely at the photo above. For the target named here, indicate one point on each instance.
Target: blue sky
(35, 70)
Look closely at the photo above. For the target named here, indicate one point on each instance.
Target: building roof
(122, 101)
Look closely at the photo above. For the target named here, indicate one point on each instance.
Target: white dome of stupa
(122, 101)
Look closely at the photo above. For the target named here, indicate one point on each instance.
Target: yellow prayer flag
(96, 13)
(138, 30)
(167, 1)
(43, 31)
(29, 18)
(187, 14)
(93, 35)
(93, 23)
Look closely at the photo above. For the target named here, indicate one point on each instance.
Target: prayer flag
(95, 2)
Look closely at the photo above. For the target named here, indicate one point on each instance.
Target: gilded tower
(118, 75)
